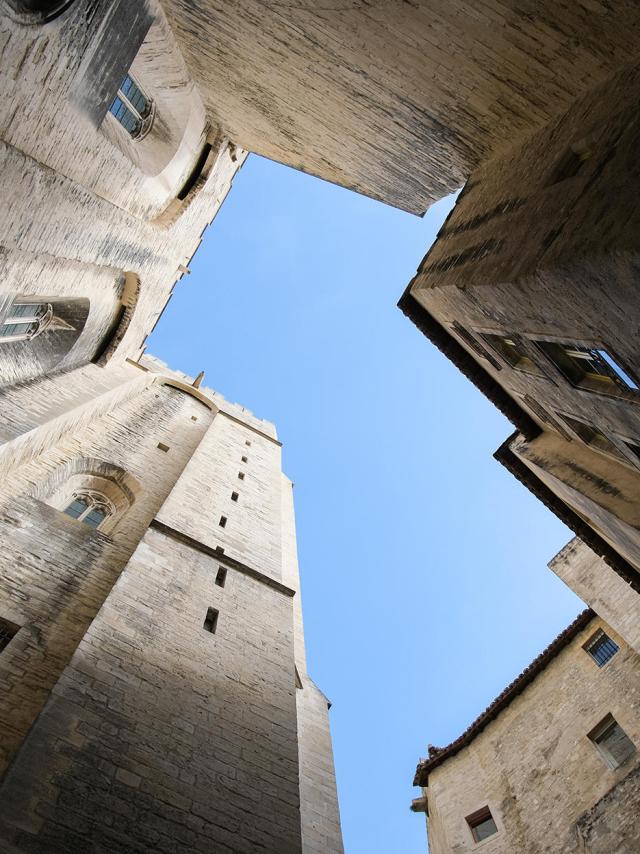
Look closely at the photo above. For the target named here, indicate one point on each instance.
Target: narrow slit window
(241, 475)
(211, 621)
(221, 576)
(234, 496)
(245, 459)
(163, 447)
(7, 632)
(601, 648)
(223, 522)
(481, 824)
(612, 742)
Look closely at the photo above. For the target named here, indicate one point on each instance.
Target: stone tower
(155, 694)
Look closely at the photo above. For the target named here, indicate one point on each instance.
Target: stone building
(152, 642)
(553, 764)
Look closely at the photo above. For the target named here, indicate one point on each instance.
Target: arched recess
(37, 332)
(35, 11)
(88, 477)
(122, 320)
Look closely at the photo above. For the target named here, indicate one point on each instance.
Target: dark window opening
(569, 165)
(469, 339)
(245, 459)
(194, 417)
(591, 368)
(593, 437)
(613, 744)
(219, 550)
(234, 496)
(7, 632)
(601, 648)
(241, 475)
(248, 443)
(221, 576)
(163, 447)
(195, 173)
(223, 521)
(513, 351)
(481, 824)
(211, 621)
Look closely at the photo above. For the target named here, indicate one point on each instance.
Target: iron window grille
(592, 368)
(132, 108)
(601, 648)
(25, 320)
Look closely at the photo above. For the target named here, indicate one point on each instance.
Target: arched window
(90, 507)
(25, 320)
(132, 108)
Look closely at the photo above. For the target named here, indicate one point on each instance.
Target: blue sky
(423, 561)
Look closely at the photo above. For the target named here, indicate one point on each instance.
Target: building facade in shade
(553, 764)
(531, 289)
(155, 694)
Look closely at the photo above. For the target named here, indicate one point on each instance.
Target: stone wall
(537, 770)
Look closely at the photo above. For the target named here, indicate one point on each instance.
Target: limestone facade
(537, 761)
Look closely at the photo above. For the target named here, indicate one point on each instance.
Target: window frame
(93, 499)
(533, 367)
(595, 638)
(616, 453)
(40, 321)
(596, 738)
(592, 385)
(478, 817)
(144, 120)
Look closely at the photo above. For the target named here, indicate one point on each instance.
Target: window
(163, 447)
(591, 368)
(223, 522)
(221, 576)
(211, 621)
(513, 351)
(234, 496)
(245, 459)
(248, 443)
(7, 632)
(92, 508)
(131, 107)
(569, 165)
(592, 437)
(481, 824)
(241, 475)
(613, 744)
(601, 648)
(25, 320)
(477, 348)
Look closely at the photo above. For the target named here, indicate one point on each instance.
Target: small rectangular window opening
(481, 824)
(163, 447)
(194, 417)
(612, 742)
(7, 632)
(245, 459)
(248, 443)
(221, 576)
(223, 521)
(211, 621)
(219, 550)
(601, 648)
(241, 475)
(234, 496)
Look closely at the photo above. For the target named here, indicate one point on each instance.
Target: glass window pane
(617, 369)
(123, 114)
(95, 517)
(8, 330)
(617, 743)
(485, 829)
(77, 507)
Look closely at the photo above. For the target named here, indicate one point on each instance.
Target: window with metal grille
(613, 744)
(25, 321)
(131, 106)
(513, 350)
(89, 507)
(601, 648)
(592, 368)
(7, 632)
(481, 824)
(211, 621)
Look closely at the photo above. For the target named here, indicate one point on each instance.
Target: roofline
(450, 347)
(512, 462)
(440, 755)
